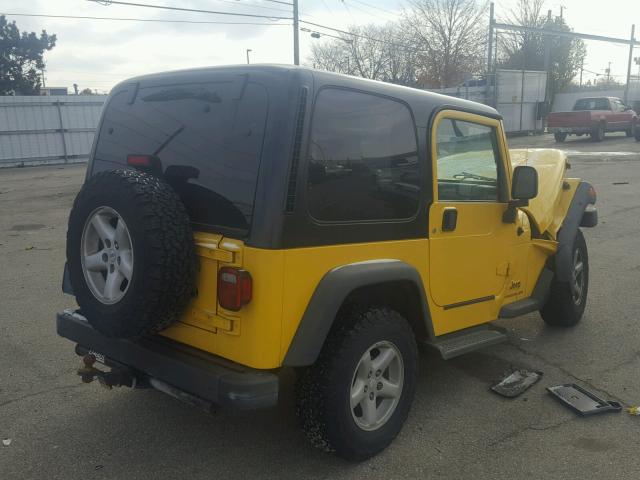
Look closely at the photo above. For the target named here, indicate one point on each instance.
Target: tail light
(139, 160)
(145, 163)
(234, 288)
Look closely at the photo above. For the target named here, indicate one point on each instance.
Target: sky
(97, 54)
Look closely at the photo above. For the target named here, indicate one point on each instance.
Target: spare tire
(130, 253)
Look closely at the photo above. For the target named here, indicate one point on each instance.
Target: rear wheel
(130, 253)
(597, 134)
(567, 300)
(354, 400)
(560, 137)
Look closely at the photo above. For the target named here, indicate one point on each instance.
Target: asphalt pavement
(54, 427)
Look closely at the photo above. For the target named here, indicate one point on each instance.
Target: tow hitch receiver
(114, 378)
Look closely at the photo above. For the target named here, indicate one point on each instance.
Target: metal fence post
(58, 104)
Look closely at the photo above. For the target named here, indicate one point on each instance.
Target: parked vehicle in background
(593, 116)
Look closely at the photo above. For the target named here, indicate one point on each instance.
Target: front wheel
(354, 400)
(560, 137)
(567, 300)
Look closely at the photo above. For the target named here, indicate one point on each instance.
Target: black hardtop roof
(416, 98)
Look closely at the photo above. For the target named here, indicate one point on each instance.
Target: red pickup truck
(594, 116)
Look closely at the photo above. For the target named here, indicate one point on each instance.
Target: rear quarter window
(207, 138)
(362, 158)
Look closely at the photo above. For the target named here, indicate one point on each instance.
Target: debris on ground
(582, 401)
(6, 442)
(634, 411)
(516, 382)
(30, 247)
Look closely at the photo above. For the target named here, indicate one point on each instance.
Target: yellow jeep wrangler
(238, 220)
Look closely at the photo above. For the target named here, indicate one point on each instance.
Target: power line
(346, 7)
(78, 17)
(327, 7)
(252, 5)
(366, 37)
(278, 1)
(367, 12)
(181, 9)
(373, 6)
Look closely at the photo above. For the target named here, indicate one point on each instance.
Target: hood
(551, 165)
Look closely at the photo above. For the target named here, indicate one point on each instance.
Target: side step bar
(521, 307)
(465, 341)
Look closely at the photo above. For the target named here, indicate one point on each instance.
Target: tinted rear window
(363, 158)
(207, 139)
(592, 104)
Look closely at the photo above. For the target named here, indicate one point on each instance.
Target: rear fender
(331, 293)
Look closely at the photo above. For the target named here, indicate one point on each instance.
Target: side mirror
(524, 187)
(525, 183)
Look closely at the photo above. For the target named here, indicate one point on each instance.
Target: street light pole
(248, 50)
(296, 34)
(633, 39)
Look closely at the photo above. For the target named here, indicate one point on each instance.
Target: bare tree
(518, 45)
(368, 51)
(376, 52)
(452, 36)
(332, 55)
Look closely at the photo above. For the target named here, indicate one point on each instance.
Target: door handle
(449, 219)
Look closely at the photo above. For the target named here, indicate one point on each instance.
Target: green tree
(21, 58)
(529, 51)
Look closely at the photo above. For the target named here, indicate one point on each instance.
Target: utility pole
(490, 53)
(608, 70)
(248, 50)
(296, 34)
(633, 38)
(547, 58)
(581, 69)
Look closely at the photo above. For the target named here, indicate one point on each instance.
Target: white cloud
(98, 54)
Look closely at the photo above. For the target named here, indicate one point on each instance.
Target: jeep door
(469, 246)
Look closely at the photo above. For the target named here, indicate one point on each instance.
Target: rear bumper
(571, 130)
(178, 368)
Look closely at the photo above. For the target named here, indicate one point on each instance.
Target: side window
(468, 161)
(363, 159)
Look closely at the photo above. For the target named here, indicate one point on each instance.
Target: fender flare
(584, 196)
(330, 294)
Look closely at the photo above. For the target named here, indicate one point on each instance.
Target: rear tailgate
(569, 119)
(204, 312)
